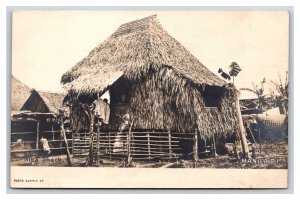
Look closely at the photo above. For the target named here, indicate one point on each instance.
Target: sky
(45, 44)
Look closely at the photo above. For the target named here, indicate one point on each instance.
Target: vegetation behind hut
(280, 92)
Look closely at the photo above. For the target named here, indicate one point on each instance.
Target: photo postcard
(149, 99)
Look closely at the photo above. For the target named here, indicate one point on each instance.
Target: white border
(4, 3)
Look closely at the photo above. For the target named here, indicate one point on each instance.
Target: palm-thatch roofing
(44, 102)
(132, 50)
(167, 86)
(19, 94)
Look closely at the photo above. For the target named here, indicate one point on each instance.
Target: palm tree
(259, 91)
(280, 93)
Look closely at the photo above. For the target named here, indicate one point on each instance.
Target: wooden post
(109, 146)
(97, 144)
(73, 139)
(52, 130)
(37, 134)
(242, 132)
(128, 147)
(213, 146)
(259, 140)
(91, 130)
(60, 140)
(63, 133)
(170, 147)
(148, 142)
(195, 146)
(132, 143)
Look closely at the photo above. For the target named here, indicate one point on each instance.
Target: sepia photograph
(149, 92)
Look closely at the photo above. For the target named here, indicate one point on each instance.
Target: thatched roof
(19, 94)
(132, 50)
(51, 102)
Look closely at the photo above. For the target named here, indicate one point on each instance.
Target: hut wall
(78, 118)
(220, 120)
(155, 102)
(162, 100)
(165, 101)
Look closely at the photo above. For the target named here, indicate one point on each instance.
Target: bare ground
(271, 156)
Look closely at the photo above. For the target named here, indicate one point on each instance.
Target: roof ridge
(51, 92)
(136, 25)
(47, 100)
(139, 20)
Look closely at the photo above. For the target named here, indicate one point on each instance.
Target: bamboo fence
(143, 145)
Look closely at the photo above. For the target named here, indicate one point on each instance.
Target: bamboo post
(128, 147)
(52, 130)
(170, 147)
(132, 143)
(259, 140)
(97, 148)
(73, 139)
(60, 141)
(213, 146)
(148, 145)
(91, 129)
(195, 146)
(97, 144)
(37, 134)
(109, 146)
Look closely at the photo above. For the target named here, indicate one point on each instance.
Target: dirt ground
(270, 156)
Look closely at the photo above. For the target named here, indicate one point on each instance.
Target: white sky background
(46, 43)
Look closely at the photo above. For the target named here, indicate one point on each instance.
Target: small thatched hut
(44, 102)
(153, 77)
(37, 119)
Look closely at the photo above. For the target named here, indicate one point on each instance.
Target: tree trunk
(242, 132)
(63, 134)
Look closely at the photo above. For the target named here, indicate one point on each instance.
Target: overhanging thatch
(133, 50)
(44, 102)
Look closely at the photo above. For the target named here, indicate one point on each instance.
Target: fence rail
(139, 145)
(37, 150)
(32, 140)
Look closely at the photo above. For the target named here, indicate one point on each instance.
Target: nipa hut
(152, 77)
(37, 119)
